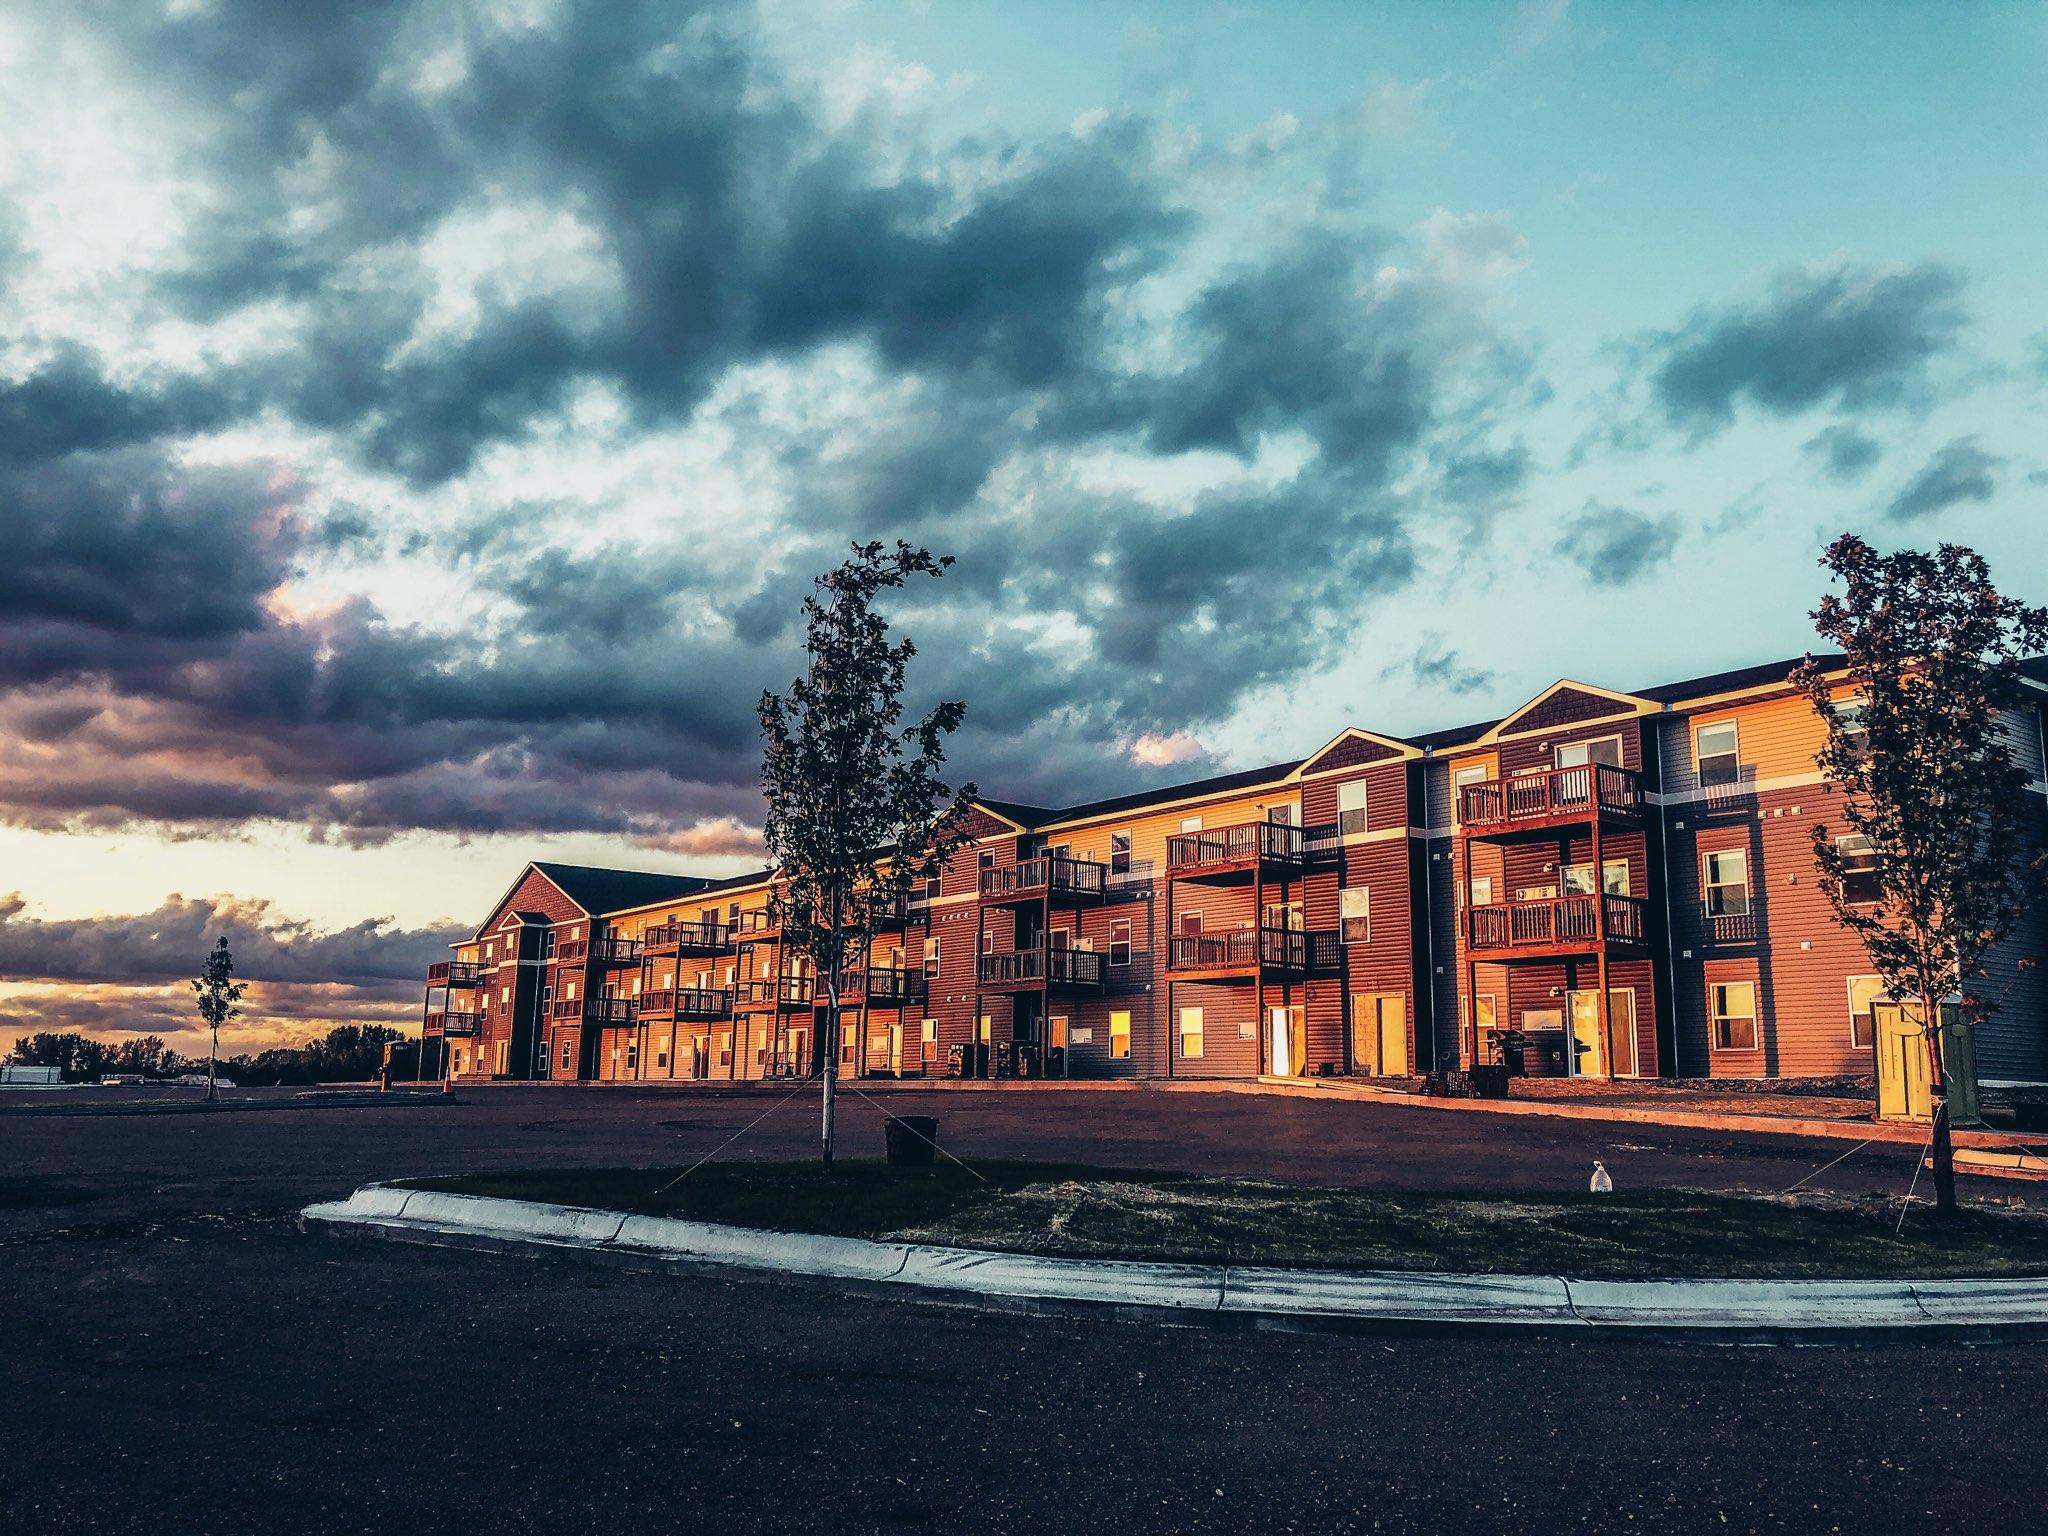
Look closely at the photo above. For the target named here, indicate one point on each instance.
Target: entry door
(1621, 1032)
(1583, 1046)
(1379, 1033)
(800, 1049)
(1905, 1088)
(1288, 1030)
(895, 1050)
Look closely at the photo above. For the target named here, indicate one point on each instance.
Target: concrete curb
(366, 1100)
(1721, 1311)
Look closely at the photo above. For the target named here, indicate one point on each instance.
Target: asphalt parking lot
(181, 1357)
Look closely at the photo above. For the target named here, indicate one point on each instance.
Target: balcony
(1032, 970)
(1551, 797)
(1066, 882)
(709, 1003)
(455, 1023)
(599, 1012)
(761, 927)
(572, 952)
(455, 973)
(1236, 853)
(1250, 951)
(895, 987)
(765, 994)
(1559, 925)
(898, 913)
(686, 939)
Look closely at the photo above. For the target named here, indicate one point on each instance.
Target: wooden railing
(572, 951)
(615, 951)
(760, 924)
(1055, 967)
(687, 938)
(1734, 927)
(1550, 794)
(595, 1010)
(1274, 949)
(454, 973)
(1266, 842)
(1056, 874)
(1555, 921)
(455, 1023)
(768, 992)
(684, 1003)
(891, 986)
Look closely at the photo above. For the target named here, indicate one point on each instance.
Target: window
(1489, 1022)
(1849, 714)
(1119, 853)
(1576, 754)
(1191, 823)
(576, 932)
(1863, 991)
(1724, 878)
(1190, 925)
(1281, 815)
(1578, 878)
(565, 1055)
(547, 944)
(987, 858)
(1120, 1036)
(632, 1055)
(505, 993)
(928, 1041)
(1351, 809)
(1190, 1034)
(1461, 780)
(931, 957)
(1120, 941)
(1859, 870)
(1283, 915)
(1715, 751)
(988, 941)
(1354, 911)
(1731, 1006)
(661, 1058)
(1481, 894)
(725, 1047)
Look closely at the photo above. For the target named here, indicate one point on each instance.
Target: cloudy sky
(418, 423)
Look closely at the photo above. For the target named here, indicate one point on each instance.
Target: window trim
(1127, 940)
(1124, 853)
(1733, 754)
(1589, 743)
(1880, 996)
(1708, 886)
(1714, 1019)
(1363, 810)
(1199, 1033)
(1344, 922)
(1870, 851)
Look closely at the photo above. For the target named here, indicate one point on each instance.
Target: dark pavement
(181, 1358)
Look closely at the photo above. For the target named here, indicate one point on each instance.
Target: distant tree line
(346, 1053)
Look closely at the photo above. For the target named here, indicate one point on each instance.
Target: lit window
(928, 1041)
(1354, 910)
(1732, 1008)
(1578, 878)
(1724, 877)
(1716, 752)
(931, 957)
(1190, 1033)
(1120, 1036)
(1351, 809)
(1481, 894)
(1859, 870)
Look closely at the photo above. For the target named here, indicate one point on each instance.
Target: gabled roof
(1352, 746)
(1194, 789)
(598, 891)
(1554, 706)
(1022, 817)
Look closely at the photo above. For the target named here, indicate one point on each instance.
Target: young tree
(857, 812)
(1931, 654)
(219, 996)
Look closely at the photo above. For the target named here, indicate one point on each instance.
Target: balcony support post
(1165, 947)
(1600, 927)
(1461, 901)
(1259, 956)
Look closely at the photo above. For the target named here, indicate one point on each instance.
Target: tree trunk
(212, 1055)
(1943, 1148)
(830, 1045)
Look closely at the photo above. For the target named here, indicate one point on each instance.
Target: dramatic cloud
(1441, 669)
(1845, 454)
(1959, 471)
(454, 449)
(1615, 546)
(1844, 336)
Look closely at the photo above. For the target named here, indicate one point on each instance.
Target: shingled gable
(553, 893)
(1353, 748)
(1566, 703)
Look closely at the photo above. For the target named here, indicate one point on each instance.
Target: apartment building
(1620, 884)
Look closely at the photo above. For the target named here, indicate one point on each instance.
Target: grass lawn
(1086, 1212)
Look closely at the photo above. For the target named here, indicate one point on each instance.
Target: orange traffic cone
(447, 1087)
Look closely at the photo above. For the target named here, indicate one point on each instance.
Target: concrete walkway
(1724, 1311)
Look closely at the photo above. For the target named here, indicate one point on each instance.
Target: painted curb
(1835, 1311)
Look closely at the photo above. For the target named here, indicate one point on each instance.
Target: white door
(1283, 1065)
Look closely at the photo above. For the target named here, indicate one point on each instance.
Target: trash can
(912, 1140)
(1489, 1082)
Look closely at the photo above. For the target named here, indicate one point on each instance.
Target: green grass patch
(1083, 1212)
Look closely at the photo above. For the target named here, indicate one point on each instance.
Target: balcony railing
(1558, 922)
(765, 992)
(1062, 878)
(1247, 949)
(572, 951)
(1549, 795)
(895, 987)
(455, 1023)
(613, 953)
(1734, 928)
(684, 1003)
(755, 927)
(1049, 967)
(455, 973)
(594, 1010)
(1224, 849)
(705, 938)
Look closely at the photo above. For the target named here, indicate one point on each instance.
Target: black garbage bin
(912, 1140)
(1489, 1082)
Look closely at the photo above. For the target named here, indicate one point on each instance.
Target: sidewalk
(1720, 1311)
